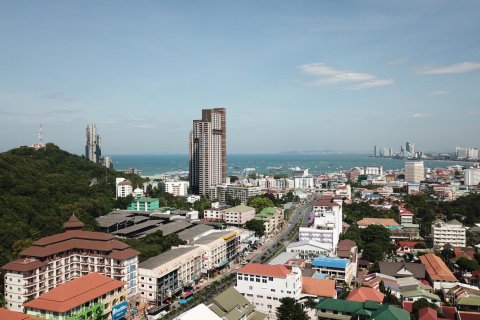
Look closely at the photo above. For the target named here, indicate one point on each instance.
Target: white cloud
(454, 68)
(372, 84)
(438, 93)
(419, 116)
(325, 75)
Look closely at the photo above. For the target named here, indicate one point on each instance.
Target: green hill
(40, 189)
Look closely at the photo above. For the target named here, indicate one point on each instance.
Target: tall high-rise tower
(208, 151)
(92, 147)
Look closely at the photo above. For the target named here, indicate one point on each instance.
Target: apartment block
(54, 260)
(452, 232)
(414, 171)
(240, 192)
(264, 285)
(177, 188)
(272, 219)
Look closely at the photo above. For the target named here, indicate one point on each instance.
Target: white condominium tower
(92, 147)
(414, 171)
(208, 151)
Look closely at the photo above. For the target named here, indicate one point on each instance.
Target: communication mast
(39, 144)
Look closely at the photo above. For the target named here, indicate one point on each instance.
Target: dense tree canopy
(256, 225)
(260, 203)
(290, 309)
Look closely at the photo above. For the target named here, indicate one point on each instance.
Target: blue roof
(320, 275)
(330, 262)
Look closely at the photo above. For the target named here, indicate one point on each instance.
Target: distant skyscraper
(375, 151)
(208, 151)
(92, 147)
(414, 171)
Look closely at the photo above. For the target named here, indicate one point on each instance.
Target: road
(299, 214)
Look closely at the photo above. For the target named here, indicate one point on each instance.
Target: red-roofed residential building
(438, 274)
(264, 285)
(92, 296)
(363, 294)
(13, 315)
(319, 288)
(59, 258)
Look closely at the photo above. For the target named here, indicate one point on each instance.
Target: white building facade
(452, 232)
(177, 188)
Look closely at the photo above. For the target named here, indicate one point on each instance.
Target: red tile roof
(363, 294)
(427, 314)
(325, 203)
(466, 315)
(408, 305)
(386, 222)
(319, 287)
(12, 315)
(409, 244)
(449, 312)
(24, 265)
(436, 268)
(74, 293)
(276, 271)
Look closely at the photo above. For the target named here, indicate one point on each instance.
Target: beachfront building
(264, 285)
(124, 187)
(144, 204)
(54, 260)
(164, 275)
(93, 296)
(272, 220)
(452, 232)
(177, 188)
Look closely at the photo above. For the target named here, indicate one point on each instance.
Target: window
(259, 296)
(273, 290)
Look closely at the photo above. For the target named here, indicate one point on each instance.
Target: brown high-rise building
(208, 151)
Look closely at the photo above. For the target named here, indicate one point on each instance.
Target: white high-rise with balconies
(452, 232)
(208, 151)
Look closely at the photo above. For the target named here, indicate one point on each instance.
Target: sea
(150, 165)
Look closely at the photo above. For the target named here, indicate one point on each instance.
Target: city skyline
(289, 74)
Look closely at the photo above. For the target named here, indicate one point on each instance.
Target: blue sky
(293, 75)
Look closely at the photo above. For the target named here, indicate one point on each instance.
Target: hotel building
(54, 260)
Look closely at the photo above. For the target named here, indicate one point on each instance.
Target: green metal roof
(241, 208)
(340, 305)
(469, 301)
(420, 293)
(389, 312)
(373, 305)
(145, 199)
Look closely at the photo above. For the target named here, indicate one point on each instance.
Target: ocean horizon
(152, 164)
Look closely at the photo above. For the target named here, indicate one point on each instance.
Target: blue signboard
(119, 311)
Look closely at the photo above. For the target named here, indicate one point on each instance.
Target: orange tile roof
(427, 314)
(74, 293)
(12, 315)
(276, 271)
(363, 294)
(24, 265)
(387, 222)
(436, 268)
(319, 287)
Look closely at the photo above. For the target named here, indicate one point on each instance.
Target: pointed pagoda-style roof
(73, 223)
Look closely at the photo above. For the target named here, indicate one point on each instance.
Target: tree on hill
(290, 309)
(467, 265)
(373, 252)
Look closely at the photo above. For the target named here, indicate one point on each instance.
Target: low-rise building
(309, 249)
(272, 219)
(452, 232)
(232, 305)
(168, 273)
(220, 248)
(264, 285)
(402, 269)
(388, 223)
(6, 314)
(363, 294)
(124, 187)
(144, 204)
(238, 215)
(93, 296)
(340, 269)
(344, 309)
(438, 274)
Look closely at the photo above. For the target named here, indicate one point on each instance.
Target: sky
(293, 75)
